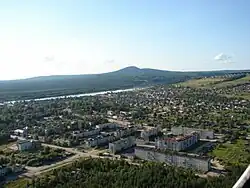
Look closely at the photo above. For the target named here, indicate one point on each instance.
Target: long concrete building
(203, 133)
(178, 159)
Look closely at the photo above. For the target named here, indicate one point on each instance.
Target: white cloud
(224, 58)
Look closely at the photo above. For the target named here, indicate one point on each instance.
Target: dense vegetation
(40, 157)
(108, 173)
(233, 153)
(63, 85)
(219, 82)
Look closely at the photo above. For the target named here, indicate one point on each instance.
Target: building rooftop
(19, 131)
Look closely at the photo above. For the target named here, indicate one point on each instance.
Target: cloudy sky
(51, 37)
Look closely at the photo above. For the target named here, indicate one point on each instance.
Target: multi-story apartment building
(178, 143)
(24, 145)
(86, 133)
(203, 133)
(107, 126)
(123, 132)
(149, 131)
(121, 144)
(99, 140)
(177, 159)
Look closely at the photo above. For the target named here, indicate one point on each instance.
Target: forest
(118, 173)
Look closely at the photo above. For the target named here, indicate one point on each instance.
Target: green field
(232, 154)
(244, 95)
(218, 82)
(221, 83)
(240, 81)
(203, 82)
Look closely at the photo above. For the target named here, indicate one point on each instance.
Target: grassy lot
(203, 82)
(20, 183)
(243, 80)
(36, 157)
(215, 82)
(242, 95)
(232, 154)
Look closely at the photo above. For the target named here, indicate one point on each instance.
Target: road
(35, 171)
(70, 150)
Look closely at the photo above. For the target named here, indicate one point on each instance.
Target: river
(72, 96)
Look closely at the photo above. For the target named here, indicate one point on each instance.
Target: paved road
(34, 171)
(70, 150)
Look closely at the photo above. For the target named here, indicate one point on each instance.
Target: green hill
(73, 84)
(218, 81)
(228, 85)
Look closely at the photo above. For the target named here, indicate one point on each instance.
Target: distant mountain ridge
(127, 70)
(128, 77)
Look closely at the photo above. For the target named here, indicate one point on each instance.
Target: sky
(58, 37)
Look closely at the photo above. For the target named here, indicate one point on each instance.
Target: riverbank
(71, 96)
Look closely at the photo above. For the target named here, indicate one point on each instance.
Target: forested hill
(72, 84)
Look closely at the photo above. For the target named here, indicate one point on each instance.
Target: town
(179, 125)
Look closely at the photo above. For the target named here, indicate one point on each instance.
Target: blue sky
(48, 37)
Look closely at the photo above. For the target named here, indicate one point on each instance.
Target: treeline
(74, 84)
(44, 156)
(114, 174)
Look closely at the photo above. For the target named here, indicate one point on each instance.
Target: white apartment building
(99, 140)
(149, 131)
(107, 125)
(178, 143)
(91, 132)
(85, 133)
(181, 160)
(124, 132)
(203, 133)
(21, 132)
(121, 144)
(23, 145)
